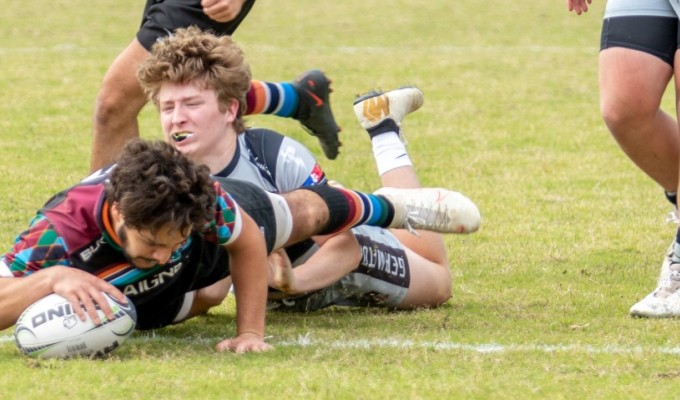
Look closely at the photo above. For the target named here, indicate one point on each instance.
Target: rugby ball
(50, 328)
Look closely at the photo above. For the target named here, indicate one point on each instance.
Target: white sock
(389, 152)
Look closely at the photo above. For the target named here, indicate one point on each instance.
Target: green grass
(572, 236)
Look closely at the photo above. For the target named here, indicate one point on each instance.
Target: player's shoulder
(263, 138)
(268, 146)
(261, 134)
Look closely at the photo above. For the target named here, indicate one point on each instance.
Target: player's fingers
(225, 345)
(90, 308)
(252, 346)
(74, 300)
(222, 15)
(113, 292)
(221, 11)
(264, 347)
(100, 300)
(578, 6)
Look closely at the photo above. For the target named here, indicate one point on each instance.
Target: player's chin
(143, 263)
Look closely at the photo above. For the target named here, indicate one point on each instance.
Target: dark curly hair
(193, 56)
(155, 185)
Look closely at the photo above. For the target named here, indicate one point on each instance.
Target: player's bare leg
(119, 101)
(281, 275)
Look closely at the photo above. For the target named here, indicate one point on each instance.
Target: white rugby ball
(50, 328)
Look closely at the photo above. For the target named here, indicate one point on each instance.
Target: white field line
(371, 344)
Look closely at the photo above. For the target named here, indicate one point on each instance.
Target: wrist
(250, 332)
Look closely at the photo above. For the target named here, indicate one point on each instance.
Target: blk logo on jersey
(87, 254)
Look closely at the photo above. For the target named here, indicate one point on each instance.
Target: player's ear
(232, 109)
(116, 215)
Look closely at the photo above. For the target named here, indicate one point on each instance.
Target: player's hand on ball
(83, 289)
(244, 343)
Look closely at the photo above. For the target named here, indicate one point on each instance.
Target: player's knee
(621, 116)
(446, 294)
(112, 105)
(211, 299)
(442, 293)
(443, 290)
(213, 295)
(308, 212)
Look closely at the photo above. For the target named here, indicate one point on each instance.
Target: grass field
(573, 234)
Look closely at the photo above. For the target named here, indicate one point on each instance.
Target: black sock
(388, 125)
(338, 207)
(672, 197)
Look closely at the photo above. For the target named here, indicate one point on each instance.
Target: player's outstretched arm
(79, 287)
(249, 273)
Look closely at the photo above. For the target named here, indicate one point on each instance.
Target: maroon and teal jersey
(74, 229)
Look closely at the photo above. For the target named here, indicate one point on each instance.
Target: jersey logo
(90, 251)
(145, 285)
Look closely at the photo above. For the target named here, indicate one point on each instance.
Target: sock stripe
(355, 213)
(350, 208)
(256, 98)
(274, 98)
(289, 105)
(379, 212)
(280, 99)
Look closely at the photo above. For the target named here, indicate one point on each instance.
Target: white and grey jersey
(274, 162)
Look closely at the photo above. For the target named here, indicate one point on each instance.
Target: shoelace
(426, 217)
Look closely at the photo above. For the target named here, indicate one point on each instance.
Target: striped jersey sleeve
(228, 221)
(36, 248)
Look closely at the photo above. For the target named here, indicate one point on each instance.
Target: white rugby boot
(432, 209)
(374, 107)
(664, 301)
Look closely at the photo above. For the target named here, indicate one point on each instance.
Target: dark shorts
(654, 35)
(162, 17)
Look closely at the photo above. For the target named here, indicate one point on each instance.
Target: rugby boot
(314, 110)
